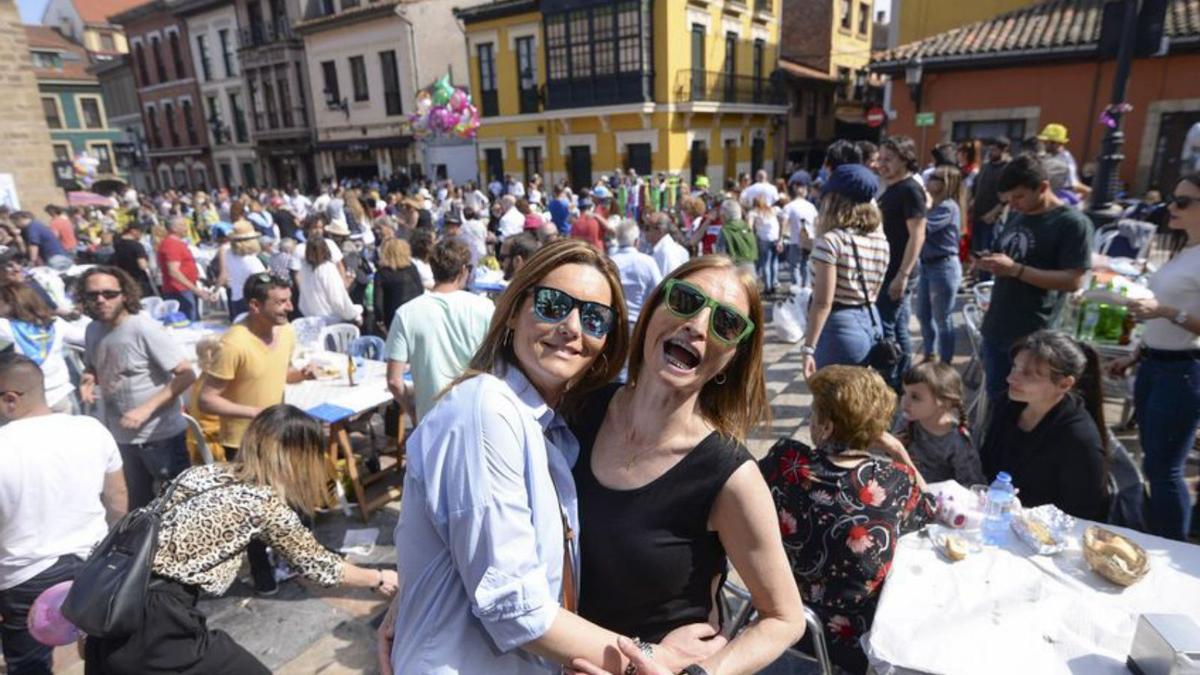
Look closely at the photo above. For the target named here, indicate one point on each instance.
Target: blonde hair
(839, 212)
(245, 246)
(739, 404)
(497, 349)
(283, 449)
(206, 351)
(855, 400)
(396, 254)
(951, 177)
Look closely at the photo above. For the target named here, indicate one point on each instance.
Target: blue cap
(585, 203)
(854, 182)
(601, 192)
(801, 177)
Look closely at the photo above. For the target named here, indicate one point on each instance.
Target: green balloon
(442, 90)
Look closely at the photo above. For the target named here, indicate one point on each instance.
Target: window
(358, 77)
(527, 75)
(272, 109)
(300, 107)
(239, 120)
(93, 116)
(285, 97)
(629, 36)
(49, 60)
(160, 66)
(227, 52)
(602, 37)
(699, 159)
(181, 178)
(213, 120)
(698, 32)
(50, 110)
(487, 80)
(255, 103)
(152, 127)
(391, 83)
(556, 48)
(864, 18)
(847, 10)
(730, 66)
(329, 72)
(189, 122)
(164, 178)
(177, 57)
(758, 150)
(598, 54)
(965, 131)
(533, 162)
(226, 174)
(139, 55)
(493, 158)
(103, 155)
(843, 83)
(201, 175)
(581, 51)
(202, 53)
(248, 179)
(763, 5)
(169, 120)
(107, 42)
(759, 82)
(62, 152)
(638, 156)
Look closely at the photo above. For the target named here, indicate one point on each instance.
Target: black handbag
(885, 352)
(108, 597)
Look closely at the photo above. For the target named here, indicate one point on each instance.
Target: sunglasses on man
(92, 296)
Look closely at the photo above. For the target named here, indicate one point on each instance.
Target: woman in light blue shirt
(484, 543)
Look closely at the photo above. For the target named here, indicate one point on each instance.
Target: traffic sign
(875, 117)
(925, 119)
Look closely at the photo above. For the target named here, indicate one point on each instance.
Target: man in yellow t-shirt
(254, 362)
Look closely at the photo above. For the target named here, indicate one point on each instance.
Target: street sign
(875, 117)
(925, 119)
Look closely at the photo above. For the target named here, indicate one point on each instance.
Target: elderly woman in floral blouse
(841, 508)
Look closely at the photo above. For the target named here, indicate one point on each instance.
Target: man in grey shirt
(140, 372)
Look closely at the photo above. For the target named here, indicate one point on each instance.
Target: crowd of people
(581, 369)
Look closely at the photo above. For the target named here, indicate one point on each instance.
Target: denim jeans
(997, 363)
(187, 303)
(24, 655)
(935, 305)
(846, 338)
(768, 264)
(797, 262)
(893, 316)
(149, 463)
(1167, 402)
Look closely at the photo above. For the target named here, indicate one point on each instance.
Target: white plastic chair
(218, 305)
(337, 338)
(983, 293)
(308, 330)
(198, 434)
(164, 309)
(150, 305)
(741, 613)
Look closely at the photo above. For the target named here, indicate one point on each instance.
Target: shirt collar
(528, 395)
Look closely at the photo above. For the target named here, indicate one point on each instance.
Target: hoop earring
(507, 338)
(720, 378)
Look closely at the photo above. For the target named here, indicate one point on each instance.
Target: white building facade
(212, 28)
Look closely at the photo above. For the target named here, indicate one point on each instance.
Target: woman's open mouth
(680, 355)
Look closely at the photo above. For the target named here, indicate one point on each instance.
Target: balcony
(266, 33)
(707, 86)
(614, 89)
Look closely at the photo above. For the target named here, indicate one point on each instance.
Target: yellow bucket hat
(1054, 133)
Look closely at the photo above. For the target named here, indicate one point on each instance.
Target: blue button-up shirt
(639, 275)
(479, 542)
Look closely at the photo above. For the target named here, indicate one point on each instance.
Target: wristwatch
(694, 669)
(805, 350)
(1180, 318)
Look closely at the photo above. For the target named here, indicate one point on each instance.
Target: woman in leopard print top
(213, 513)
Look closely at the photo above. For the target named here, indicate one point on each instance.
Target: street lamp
(913, 73)
(333, 103)
(860, 84)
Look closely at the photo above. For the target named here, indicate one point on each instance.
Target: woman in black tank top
(667, 492)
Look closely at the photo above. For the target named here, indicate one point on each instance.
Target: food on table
(955, 547)
(1040, 532)
(326, 370)
(1114, 557)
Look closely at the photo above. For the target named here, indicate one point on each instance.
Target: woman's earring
(508, 337)
(720, 378)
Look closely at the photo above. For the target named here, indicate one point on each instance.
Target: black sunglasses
(552, 306)
(96, 295)
(1182, 202)
(725, 323)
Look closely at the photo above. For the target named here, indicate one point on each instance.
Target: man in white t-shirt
(61, 486)
(435, 335)
(513, 221)
(665, 250)
(799, 231)
(762, 188)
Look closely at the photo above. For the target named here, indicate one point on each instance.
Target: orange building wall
(1073, 94)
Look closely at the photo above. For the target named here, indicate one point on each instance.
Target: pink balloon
(458, 100)
(46, 622)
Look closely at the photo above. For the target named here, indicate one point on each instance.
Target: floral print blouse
(840, 527)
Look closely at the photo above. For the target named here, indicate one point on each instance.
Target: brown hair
(951, 177)
(25, 305)
(395, 254)
(943, 381)
(839, 212)
(855, 400)
(129, 288)
(448, 259)
(740, 404)
(283, 449)
(316, 252)
(497, 349)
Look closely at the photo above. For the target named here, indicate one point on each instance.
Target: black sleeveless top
(648, 559)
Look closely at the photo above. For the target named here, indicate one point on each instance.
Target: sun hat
(1054, 133)
(854, 182)
(338, 228)
(243, 231)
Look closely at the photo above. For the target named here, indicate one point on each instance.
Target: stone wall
(25, 149)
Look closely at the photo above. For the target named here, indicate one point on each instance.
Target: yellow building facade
(575, 89)
(914, 20)
(849, 54)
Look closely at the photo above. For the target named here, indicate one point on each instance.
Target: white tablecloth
(1005, 610)
(371, 393)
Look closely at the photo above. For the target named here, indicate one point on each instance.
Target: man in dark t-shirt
(131, 256)
(985, 196)
(903, 205)
(1040, 256)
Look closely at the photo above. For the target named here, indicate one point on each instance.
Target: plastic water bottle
(997, 512)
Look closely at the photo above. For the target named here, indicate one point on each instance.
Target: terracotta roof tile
(1043, 25)
(98, 11)
(74, 57)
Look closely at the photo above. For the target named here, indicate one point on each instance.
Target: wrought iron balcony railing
(706, 86)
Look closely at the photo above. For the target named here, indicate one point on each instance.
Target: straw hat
(1054, 133)
(243, 231)
(338, 228)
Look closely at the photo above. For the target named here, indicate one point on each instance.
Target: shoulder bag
(885, 352)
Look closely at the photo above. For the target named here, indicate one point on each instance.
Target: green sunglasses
(725, 323)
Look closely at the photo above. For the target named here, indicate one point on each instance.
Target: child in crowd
(932, 427)
(210, 425)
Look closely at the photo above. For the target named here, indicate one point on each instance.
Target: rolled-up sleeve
(492, 536)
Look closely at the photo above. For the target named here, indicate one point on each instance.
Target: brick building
(176, 132)
(23, 133)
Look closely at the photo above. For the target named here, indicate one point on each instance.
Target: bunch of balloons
(444, 109)
(85, 169)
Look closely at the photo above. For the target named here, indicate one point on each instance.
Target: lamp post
(914, 73)
(1103, 210)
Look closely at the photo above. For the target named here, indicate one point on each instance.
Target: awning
(802, 72)
(88, 199)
